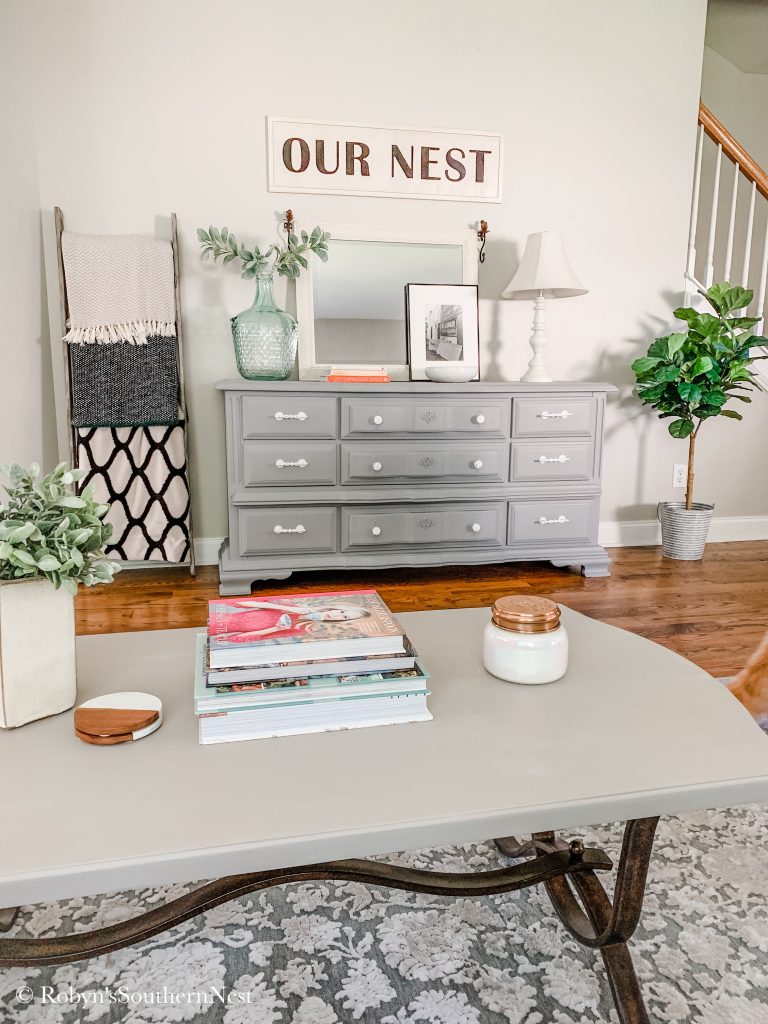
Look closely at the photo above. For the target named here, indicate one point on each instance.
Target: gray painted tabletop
(631, 730)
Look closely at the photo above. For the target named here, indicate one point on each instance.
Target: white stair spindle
(691, 266)
(748, 240)
(761, 282)
(709, 269)
(731, 224)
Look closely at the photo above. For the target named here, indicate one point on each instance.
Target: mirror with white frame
(351, 310)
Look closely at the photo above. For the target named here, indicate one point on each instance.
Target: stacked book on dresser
(279, 665)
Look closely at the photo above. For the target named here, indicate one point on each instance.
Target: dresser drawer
(272, 531)
(286, 415)
(268, 463)
(553, 414)
(370, 414)
(572, 519)
(547, 460)
(380, 462)
(408, 526)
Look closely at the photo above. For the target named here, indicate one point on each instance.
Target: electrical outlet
(679, 474)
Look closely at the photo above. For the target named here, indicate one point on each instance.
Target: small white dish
(450, 374)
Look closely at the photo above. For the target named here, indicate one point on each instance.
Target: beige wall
(739, 100)
(154, 105)
(26, 417)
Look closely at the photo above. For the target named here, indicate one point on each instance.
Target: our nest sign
(373, 160)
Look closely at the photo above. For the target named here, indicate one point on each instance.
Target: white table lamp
(544, 273)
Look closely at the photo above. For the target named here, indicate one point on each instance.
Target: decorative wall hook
(289, 222)
(482, 232)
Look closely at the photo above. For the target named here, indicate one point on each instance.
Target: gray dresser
(324, 476)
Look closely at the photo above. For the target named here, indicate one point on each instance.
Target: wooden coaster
(118, 718)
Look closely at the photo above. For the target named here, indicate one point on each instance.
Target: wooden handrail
(719, 134)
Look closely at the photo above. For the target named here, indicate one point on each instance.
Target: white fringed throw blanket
(119, 288)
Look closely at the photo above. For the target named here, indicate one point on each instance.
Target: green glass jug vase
(264, 336)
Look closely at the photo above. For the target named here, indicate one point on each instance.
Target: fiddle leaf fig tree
(691, 376)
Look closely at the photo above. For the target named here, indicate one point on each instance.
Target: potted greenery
(51, 539)
(690, 377)
(265, 336)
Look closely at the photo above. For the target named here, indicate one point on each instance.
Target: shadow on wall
(495, 274)
(615, 365)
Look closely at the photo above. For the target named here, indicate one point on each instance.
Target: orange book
(338, 378)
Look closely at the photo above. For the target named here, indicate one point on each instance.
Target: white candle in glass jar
(525, 641)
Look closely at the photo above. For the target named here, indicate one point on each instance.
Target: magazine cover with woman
(272, 619)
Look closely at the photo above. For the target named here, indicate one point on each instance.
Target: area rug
(319, 953)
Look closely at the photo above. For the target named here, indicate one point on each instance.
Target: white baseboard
(613, 534)
(207, 550)
(646, 532)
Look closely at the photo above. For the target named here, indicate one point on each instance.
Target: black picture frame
(446, 332)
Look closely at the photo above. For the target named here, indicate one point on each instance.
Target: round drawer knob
(378, 420)
(475, 527)
(376, 531)
(376, 467)
(477, 464)
(479, 418)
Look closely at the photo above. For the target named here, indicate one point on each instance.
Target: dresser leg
(596, 567)
(239, 584)
(592, 560)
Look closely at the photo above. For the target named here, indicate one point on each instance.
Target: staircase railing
(728, 235)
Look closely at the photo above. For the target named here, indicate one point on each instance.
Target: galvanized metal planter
(684, 531)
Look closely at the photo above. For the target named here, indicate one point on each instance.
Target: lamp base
(536, 375)
(537, 372)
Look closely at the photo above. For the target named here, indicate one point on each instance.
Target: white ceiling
(738, 31)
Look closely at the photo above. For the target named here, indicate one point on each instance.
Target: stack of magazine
(279, 665)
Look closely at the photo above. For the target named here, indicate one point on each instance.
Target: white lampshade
(544, 270)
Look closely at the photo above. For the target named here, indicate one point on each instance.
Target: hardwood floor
(713, 612)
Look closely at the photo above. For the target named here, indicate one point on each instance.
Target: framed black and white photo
(443, 335)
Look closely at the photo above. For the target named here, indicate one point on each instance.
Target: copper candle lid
(526, 614)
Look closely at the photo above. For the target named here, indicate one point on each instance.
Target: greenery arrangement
(690, 376)
(46, 530)
(287, 259)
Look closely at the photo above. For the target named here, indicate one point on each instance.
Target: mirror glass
(359, 296)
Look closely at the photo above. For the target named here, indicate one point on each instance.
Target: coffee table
(630, 733)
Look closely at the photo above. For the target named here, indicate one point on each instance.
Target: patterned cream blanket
(119, 288)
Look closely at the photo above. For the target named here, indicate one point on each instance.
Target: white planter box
(37, 651)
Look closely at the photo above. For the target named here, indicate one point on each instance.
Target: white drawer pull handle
(376, 467)
(378, 420)
(480, 418)
(477, 464)
(543, 460)
(376, 531)
(543, 521)
(563, 415)
(475, 527)
(288, 529)
(280, 416)
(299, 464)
